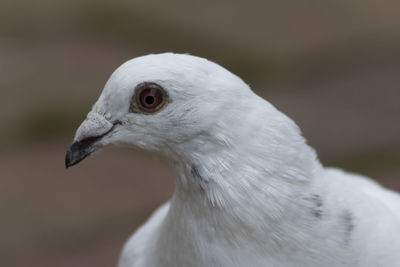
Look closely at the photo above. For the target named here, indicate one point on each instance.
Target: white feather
(249, 190)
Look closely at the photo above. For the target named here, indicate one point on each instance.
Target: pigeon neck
(251, 178)
(263, 161)
(219, 180)
(253, 169)
(217, 195)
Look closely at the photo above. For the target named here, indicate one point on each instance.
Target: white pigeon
(249, 191)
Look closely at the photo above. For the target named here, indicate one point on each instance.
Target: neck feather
(263, 162)
(240, 185)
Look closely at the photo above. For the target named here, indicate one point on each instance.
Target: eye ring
(149, 98)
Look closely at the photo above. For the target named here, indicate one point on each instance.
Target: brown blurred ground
(333, 66)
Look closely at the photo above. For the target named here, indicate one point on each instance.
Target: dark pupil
(149, 100)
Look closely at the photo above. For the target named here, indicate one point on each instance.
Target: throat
(234, 204)
(238, 174)
(231, 184)
(195, 183)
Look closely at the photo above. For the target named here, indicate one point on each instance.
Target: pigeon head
(203, 118)
(168, 103)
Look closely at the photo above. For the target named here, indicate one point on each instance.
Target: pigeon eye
(149, 98)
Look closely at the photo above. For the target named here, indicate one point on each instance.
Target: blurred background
(333, 66)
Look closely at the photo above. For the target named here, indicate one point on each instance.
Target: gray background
(333, 66)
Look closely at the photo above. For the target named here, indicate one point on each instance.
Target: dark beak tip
(77, 152)
(68, 158)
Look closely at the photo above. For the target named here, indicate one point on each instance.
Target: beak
(79, 150)
(92, 130)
